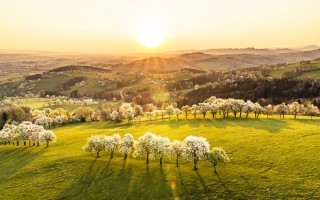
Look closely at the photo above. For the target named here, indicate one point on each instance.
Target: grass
(270, 159)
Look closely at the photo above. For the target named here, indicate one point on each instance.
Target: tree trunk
(240, 113)
(147, 158)
(177, 161)
(247, 115)
(98, 154)
(24, 143)
(125, 156)
(29, 142)
(215, 170)
(195, 164)
(111, 154)
(161, 161)
(38, 144)
(295, 116)
(235, 114)
(5, 142)
(18, 143)
(47, 144)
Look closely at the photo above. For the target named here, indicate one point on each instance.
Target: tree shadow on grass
(270, 125)
(153, 185)
(227, 190)
(79, 185)
(10, 164)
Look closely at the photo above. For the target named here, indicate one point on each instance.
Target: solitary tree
(195, 149)
(217, 155)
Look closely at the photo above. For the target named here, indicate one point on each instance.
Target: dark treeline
(275, 91)
(72, 82)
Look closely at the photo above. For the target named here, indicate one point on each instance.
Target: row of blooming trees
(26, 131)
(153, 147)
(213, 106)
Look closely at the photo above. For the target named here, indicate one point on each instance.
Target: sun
(150, 38)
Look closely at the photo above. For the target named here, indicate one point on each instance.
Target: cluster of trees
(48, 118)
(152, 146)
(26, 131)
(275, 90)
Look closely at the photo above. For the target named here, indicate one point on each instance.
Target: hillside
(153, 65)
(256, 169)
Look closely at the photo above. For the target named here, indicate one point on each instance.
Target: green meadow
(269, 159)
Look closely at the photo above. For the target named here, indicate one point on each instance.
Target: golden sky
(118, 26)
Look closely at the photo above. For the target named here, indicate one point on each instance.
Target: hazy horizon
(113, 27)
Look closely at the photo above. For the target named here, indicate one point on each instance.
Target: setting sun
(150, 38)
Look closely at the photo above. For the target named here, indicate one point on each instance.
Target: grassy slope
(311, 74)
(270, 158)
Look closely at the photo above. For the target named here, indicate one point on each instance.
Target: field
(270, 159)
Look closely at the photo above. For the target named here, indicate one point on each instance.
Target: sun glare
(150, 38)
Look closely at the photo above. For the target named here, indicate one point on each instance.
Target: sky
(126, 26)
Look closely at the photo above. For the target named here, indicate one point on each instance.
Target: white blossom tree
(126, 111)
(204, 108)
(170, 110)
(177, 112)
(115, 116)
(195, 149)
(268, 110)
(195, 109)
(61, 119)
(25, 131)
(281, 109)
(149, 115)
(175, 150)
(111, 143)
(257, 109)
(312, 110)
(126, 145)
(161, 146)
(95, 144)
(47, 136)
(186, 110)
(35, 134)
(217, 155)
(248, 107)
(44, 121)
(296, 108)
(8, 133)
(162, 113)
(145, 146)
